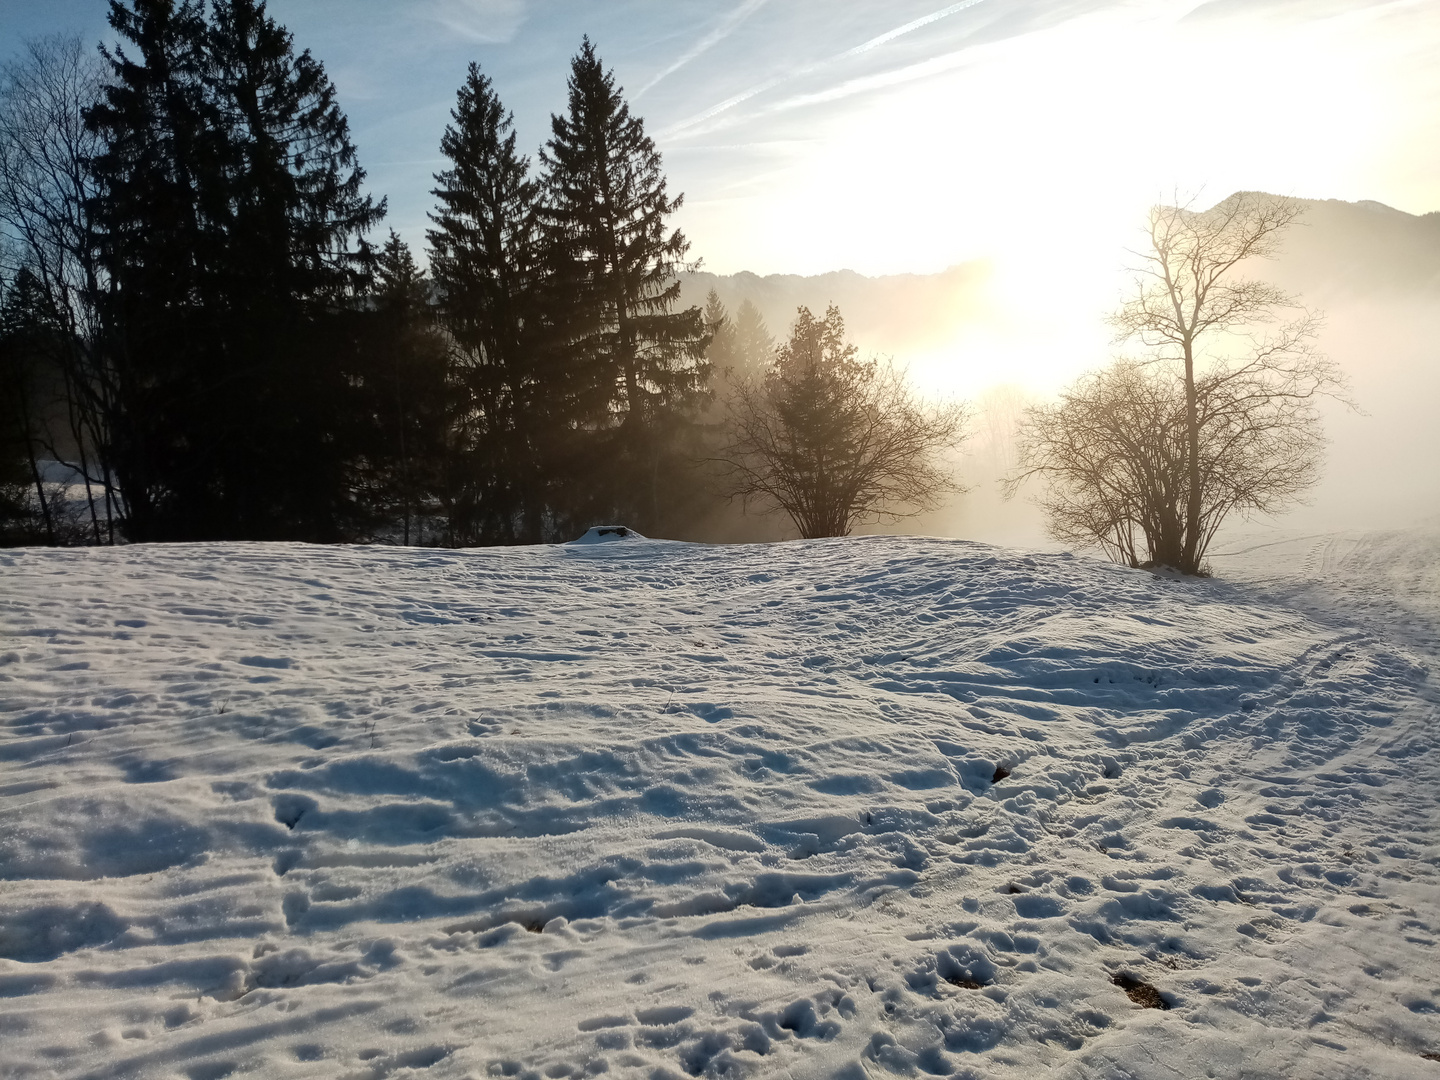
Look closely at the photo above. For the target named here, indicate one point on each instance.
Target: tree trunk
(1188, 558)
(40, 492)
(77, 432)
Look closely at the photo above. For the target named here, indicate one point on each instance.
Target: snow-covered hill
(844, 808)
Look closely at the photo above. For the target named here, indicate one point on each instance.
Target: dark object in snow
(1431, 1057)
(964, 984)
(1000, 774)
(1140, 992)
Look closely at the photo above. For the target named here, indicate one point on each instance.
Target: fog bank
(1372, 270)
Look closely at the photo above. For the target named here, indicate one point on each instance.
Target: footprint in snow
(267, 661)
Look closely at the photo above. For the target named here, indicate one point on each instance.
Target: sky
(912, 135)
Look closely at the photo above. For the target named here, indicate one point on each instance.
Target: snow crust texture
(853, 808)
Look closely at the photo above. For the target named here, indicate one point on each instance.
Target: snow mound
(607, 534)
(871, 807)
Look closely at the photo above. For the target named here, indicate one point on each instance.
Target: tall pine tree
(396, 426)
(229, 211)
(486, 261)
(296, 207)
(615, 259)
(154, 222)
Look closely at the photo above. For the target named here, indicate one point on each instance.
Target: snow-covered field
(650, 809)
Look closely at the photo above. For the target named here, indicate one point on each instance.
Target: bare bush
(46, 238)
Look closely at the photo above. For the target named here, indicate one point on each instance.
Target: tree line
(242, 361)
(199, 329)
(202, 337)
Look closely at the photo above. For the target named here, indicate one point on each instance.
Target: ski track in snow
(656, 810)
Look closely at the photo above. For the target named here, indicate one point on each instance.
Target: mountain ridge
(1334, 214)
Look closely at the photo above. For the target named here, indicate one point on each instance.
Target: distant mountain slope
(896, 313)
(1360, 248)
(1337, 248)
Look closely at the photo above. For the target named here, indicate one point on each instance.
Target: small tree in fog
(834, 440)
(722, 353)
(740, 348)
(754, 348)
(1219, 414)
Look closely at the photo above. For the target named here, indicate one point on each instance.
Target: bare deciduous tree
(1220, 414)
(1114, 450)
(834, 440)
(45, 187)
(999, 412)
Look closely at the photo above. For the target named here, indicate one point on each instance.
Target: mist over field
(1373, 271)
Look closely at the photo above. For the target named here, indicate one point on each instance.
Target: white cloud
(913, 24)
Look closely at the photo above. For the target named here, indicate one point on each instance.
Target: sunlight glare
(1042, 153)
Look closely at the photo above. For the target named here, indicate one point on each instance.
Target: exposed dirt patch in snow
(1140, 992)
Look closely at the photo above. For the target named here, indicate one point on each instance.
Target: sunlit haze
(912, 136)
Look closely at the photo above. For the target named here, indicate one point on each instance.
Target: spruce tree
(406, 402)
(296, 187)
(229, 209)
(754, 347)
(157, 239)
(295, 209)
(740, 349)
(721, 353)
(485, 257)
(605, 213)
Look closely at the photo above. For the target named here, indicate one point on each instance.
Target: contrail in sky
(770, 84)
(720, 33)
(900, 31)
